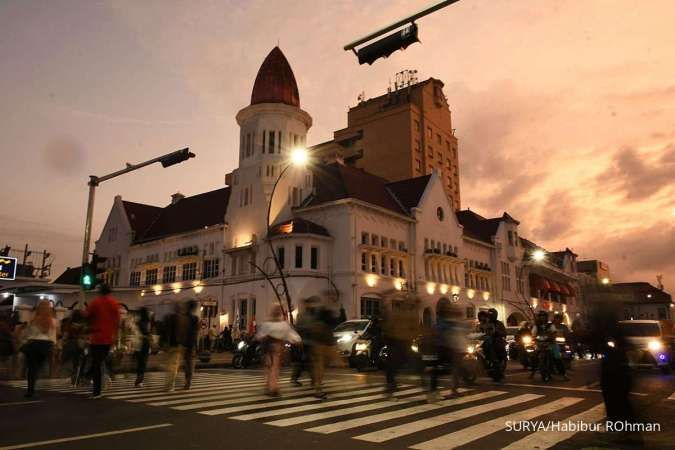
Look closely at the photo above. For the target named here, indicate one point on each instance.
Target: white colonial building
(335, 230)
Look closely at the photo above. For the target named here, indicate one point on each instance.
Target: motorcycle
(566, 352)
(480, 347)
(247, 353)
(543, 357)
(366, 355)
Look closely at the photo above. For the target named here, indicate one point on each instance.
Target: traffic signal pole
(166, 160)
(407, 20)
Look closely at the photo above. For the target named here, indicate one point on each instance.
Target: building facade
(362, 224)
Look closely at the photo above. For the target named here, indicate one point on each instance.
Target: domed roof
(275, 82)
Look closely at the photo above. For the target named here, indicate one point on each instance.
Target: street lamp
(538, 255)
(299, 157)
(605, 281)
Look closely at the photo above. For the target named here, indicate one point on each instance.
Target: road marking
(272, 404)
(302, 399)
(549, 438)
(240, 393)
(469, 434)
(197, 390)
(672, 396)
(322, 405)
(562, 388)
(21, 403)
(431, 422)
(86, 436)
(346, 411)
(361, 421)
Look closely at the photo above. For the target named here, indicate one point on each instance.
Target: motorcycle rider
(548, 330)
(559, 329)
(495, 333)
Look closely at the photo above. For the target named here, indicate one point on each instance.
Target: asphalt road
(226, 409)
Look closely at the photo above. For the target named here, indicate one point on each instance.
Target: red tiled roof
(336, 181)
(275, 82)
(140, 216)
(409, 192)
(69, 276)
(189, 214)
(477, 226)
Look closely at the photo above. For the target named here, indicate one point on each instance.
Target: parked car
(651, 344)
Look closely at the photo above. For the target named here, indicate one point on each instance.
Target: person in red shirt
(103, 315)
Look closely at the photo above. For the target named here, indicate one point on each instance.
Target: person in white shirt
(40, 336)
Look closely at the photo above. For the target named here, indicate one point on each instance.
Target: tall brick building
(402, 134)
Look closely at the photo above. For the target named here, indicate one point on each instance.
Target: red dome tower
(275, 82)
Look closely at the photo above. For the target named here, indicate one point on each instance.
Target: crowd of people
(86, 338)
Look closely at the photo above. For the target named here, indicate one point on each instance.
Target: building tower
(270, 127)
(406, 133)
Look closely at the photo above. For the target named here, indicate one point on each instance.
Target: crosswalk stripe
(125, 384)
(346, 411)
(361, 421)
(431, 422)
(550, 438)
(466, 435)
(142, 395)
(672, 396)
(289, 400)
(304, 399)
(322, 405)
(131, 388)
(222, 395)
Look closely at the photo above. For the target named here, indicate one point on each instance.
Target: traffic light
(93, 272)
(387, 45)
(98, 266)
(87, 277)
(176, 157)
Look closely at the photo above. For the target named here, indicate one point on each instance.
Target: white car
(651, 346)
(347, 333)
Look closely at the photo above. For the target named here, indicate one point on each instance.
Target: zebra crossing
(359, 409)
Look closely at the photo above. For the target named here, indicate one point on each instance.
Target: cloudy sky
(565, 110)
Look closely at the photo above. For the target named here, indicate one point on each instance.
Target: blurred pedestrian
(74, 342)
(449, 337)
(322, 342)
(183, 332)
(103, 315)
(144, 326)
(302, 352)
(273, 334)
(399, 328)
(7, 345)
(39, 338)
(226, 339)
(615, 375)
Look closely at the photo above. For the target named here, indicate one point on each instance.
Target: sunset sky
(564, 110)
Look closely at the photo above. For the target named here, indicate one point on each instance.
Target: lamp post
(298, 158)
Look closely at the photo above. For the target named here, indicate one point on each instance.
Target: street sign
(7, 268)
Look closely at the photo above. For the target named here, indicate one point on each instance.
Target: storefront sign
(7, 268)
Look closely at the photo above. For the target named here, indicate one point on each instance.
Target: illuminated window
(211, 268)
(135, 279)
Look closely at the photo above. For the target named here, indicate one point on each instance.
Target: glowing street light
(538, 255)
(605, 281)
(299, 157)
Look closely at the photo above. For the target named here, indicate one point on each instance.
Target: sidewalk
(155, 363)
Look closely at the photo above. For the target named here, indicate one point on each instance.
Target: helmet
(492, 314)
(557, 318)
(482, 315)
